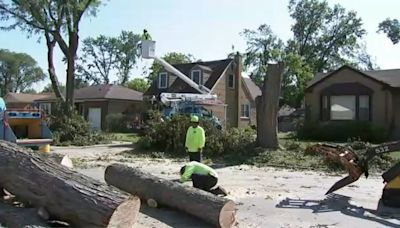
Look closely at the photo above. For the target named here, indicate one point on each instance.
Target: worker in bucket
(146, 35)
(202, 176)
(195, 140)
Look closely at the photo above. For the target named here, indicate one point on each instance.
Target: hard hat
(194, 119)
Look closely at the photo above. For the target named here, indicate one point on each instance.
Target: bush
(72, 130)
(117, 122)
(170, 135)
(342, 131)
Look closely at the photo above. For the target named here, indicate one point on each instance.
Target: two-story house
(224, 78)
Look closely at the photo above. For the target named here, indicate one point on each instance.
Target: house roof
(253, 89)
(389, 77)
(217, 67)
(102, 92)
(108, 92)
(25, 97)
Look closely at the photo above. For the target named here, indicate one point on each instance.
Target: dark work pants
(195, 156)
(204, 182)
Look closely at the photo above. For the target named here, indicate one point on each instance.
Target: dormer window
(197, 77)
(163, 80)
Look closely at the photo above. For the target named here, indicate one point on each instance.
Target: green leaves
(18, 72)
(104, 56)
(324, 38)
(391, 27)
(139, 84)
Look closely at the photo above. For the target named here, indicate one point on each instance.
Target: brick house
(224, 78)
(93, 102)
(349, 94)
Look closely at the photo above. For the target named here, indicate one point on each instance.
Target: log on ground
(215, 210)
(64, 193)
(20, 217)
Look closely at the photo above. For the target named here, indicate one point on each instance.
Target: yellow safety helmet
(194, 119)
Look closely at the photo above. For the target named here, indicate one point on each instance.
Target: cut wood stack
(215, 210)
(65, 194)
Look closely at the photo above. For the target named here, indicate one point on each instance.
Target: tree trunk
(206, 206)
(267, 106)
(73, 47)
(52, 71)
(65, 194)
(20, 217)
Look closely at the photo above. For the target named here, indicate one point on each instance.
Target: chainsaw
(357, 166)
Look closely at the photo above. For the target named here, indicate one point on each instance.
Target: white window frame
(166, 80)
(233, 81)
(200, 76)
(243, 111)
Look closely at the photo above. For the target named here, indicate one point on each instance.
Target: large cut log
(64, 193)
(20, 217)
(215, 210)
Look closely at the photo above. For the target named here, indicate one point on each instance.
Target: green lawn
(126, 137)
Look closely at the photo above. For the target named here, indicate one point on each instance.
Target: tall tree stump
(215, 210)
(267, 107)
(65, 194)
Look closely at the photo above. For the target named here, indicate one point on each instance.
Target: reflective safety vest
(195, 167)
(195, 139)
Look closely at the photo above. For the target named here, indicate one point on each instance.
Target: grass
(126, 137)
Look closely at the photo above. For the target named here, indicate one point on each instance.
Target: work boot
(219, 191)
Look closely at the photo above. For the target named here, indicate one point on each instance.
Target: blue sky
(206, 28)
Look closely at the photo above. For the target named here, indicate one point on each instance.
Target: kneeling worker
(202, 176)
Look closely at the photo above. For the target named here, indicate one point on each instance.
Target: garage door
(95, 118)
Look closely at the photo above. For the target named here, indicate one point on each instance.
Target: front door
(94, 117)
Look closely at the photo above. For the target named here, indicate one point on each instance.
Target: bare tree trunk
(52, 71)
(73, 47)
(267, 106)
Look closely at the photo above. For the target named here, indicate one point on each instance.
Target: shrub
(73, 129)
(170, 135)
(117, 122)
(342, 131)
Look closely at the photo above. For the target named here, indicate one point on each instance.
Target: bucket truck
(182, 103)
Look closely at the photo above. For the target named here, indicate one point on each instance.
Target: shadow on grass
(335, 202)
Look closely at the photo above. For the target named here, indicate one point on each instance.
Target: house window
(162, 80)
(196, 77)
(245, 111)
(364, 109)
(231, 81)
(346, 107)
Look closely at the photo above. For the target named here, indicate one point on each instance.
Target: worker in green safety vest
(195, 140)
(146, 35)
(202, 176)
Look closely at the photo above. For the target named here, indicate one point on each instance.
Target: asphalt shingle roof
(216, 67)
(389, 77)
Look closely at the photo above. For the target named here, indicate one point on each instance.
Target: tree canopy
(104, 56)
(324, 38)
(139, 84)
(58, 21)
(391, 27)
(18, 72)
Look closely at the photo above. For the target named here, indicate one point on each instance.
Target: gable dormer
(200, 74)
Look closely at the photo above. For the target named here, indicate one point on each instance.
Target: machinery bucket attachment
(344, 156)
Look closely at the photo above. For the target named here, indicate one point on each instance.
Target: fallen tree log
(65, 194)
(20, 217)
(215, 210)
